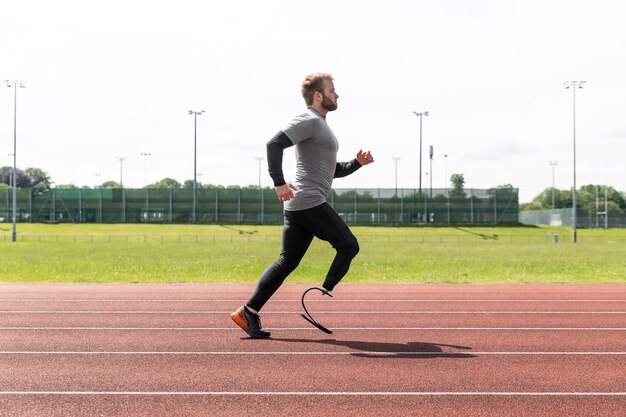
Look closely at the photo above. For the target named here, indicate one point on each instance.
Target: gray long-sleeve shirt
(316, 159)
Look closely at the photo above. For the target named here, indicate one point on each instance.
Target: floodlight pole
(145, 167)
(121, 159)
(396, 159)
(431, 172)
(574, 85)
(420, 116)
(195, 149)
(553, 164)
(14, 84)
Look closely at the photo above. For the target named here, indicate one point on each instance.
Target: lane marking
(277, 300)
(316, 393)
(309, 353)
(211, 289)
(334, 328)
(377, 312)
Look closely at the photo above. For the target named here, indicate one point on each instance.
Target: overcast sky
(116, 78)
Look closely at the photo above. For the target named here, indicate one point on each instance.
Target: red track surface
(397, 350)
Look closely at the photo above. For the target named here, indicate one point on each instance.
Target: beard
(328, 104)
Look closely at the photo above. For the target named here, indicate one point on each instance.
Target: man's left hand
(364, 158)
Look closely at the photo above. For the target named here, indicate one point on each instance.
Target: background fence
(245, 206)
(565, 217)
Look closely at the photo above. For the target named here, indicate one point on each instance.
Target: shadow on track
(390, 350)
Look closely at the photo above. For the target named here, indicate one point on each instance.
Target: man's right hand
(284, 192)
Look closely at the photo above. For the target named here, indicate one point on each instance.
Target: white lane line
(574, 329)
(377, 312)
(49, 289)
(335, 301)
(317, 393)
(310, 353)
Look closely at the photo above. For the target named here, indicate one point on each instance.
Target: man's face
(329, 100)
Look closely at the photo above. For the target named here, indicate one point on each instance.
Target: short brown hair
(312, 83)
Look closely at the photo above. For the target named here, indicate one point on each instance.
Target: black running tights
(299, 229)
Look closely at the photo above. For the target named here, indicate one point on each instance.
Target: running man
(307, 214)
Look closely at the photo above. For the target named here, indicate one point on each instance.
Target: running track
(397, 350)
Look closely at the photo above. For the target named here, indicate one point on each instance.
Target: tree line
(588, 197)
(39, 180)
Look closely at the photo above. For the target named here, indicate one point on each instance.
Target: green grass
(211, 253)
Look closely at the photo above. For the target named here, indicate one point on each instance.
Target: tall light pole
(553, 164)
(121, 159)
(573, 85)
(195, 149)
(431, 171)
(420, 116)
(14, 84)
(145, 167)
(260, 159)
(396, 159)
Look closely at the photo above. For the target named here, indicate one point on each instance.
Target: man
(307, 214)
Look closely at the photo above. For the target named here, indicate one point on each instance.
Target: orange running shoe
(250, 323)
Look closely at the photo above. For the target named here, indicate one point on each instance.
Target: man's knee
(287, 264)
(349, 248)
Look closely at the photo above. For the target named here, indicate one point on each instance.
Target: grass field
(213, 253)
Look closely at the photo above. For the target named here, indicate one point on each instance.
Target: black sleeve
(346, 168)
(275, 148)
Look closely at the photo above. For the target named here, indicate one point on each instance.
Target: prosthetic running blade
(307, 316)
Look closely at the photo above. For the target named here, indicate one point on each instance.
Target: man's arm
(346, 168)
(275, 148)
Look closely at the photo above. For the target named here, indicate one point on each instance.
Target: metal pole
(431, 172)
(553, 164)
(14, 234)
(420, 165)
(145, 168)
(195, 131)
(420, 188)
(195, 149)
(14, 84)
(121, 159)
(396, 159)
(574, 237)
(574, 85)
